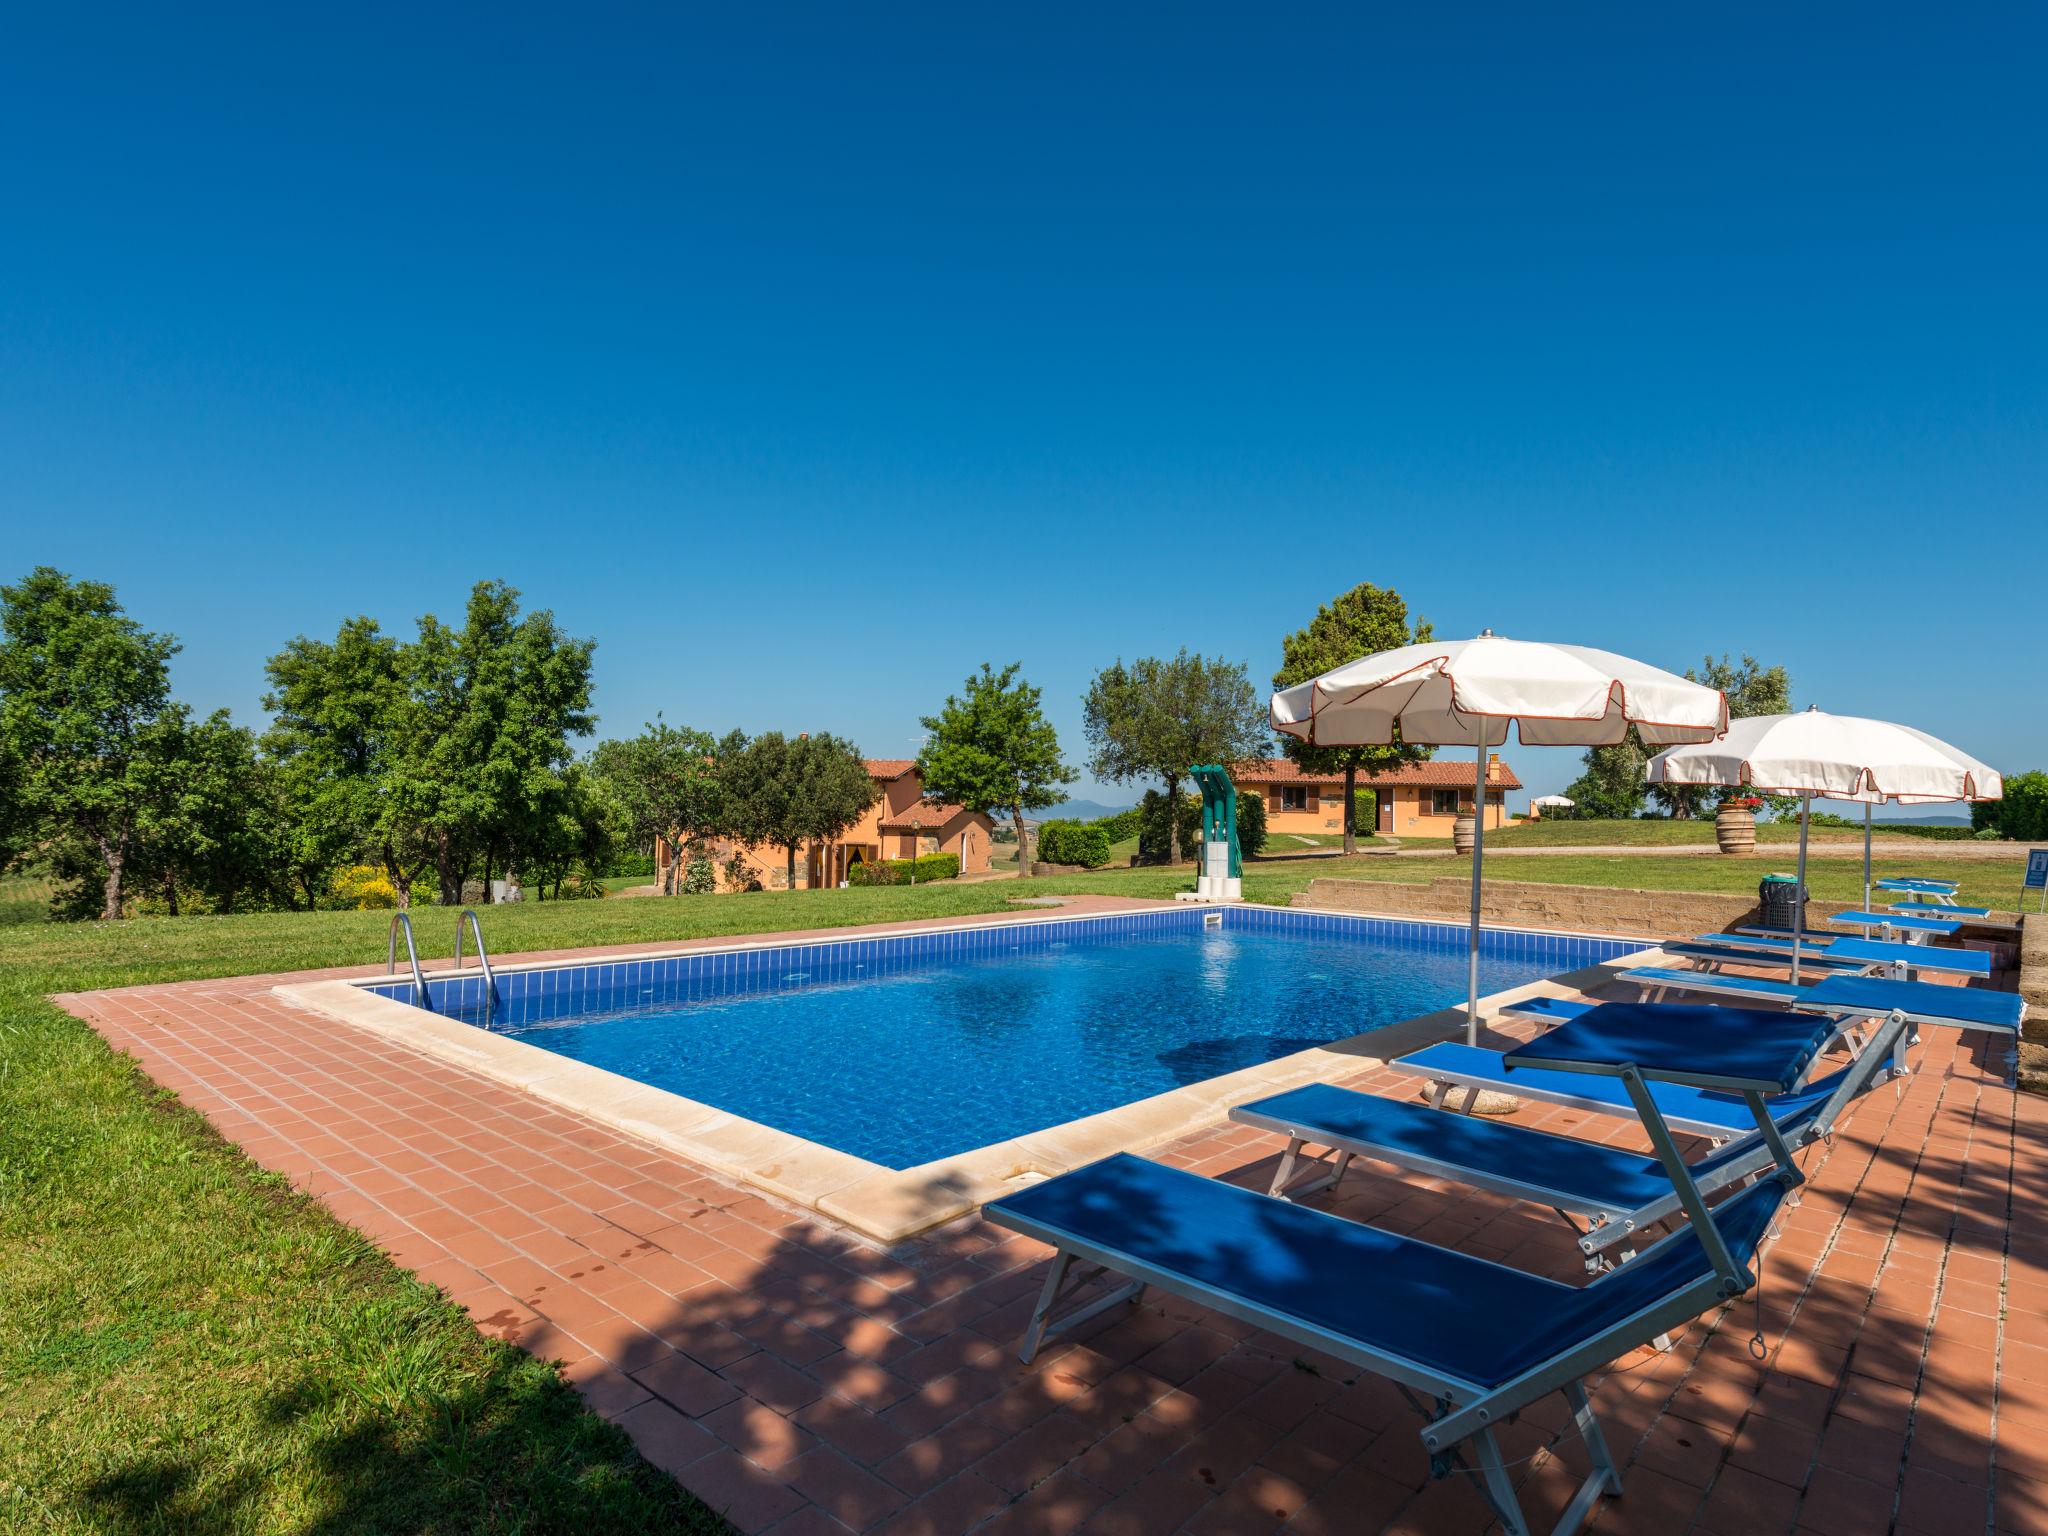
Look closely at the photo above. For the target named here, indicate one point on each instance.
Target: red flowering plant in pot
(1735, 823)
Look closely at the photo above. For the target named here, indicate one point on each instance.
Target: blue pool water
(905, 1050)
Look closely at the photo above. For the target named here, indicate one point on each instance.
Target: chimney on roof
(1492, 766)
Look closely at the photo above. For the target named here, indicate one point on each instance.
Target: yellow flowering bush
(365, 887)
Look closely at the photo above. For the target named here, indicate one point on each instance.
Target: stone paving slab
(1892, 1377)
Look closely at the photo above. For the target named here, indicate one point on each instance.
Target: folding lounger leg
(1332, 1170)
(1500, 1489)
(1043, 1324)
(1603, 1479)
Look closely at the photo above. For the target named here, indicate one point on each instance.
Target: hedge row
(1074, 842)
(1122, 826)
(1152, 829)
(926, 867)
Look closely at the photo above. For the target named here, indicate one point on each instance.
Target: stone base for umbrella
(1489, 1102)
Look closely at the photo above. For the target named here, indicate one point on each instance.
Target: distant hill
(1077, 810)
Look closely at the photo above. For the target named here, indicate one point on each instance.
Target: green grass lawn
(187, 1345)
(1289, 842)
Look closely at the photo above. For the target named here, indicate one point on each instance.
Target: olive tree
(1159, 717)
(992, 750)
(1361, 622)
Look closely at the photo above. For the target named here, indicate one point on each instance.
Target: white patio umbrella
(1467, 692)
(1845, 757)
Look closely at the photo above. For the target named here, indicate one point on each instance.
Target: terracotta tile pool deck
(1893, 1378)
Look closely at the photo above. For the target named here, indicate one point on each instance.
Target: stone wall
(2034, 988)
(1532, 904)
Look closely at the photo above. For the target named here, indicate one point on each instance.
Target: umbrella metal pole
(1799, 908)
(1478, 857)
(1866, 856)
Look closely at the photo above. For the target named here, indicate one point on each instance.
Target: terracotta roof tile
(928, 815)
(887, 768)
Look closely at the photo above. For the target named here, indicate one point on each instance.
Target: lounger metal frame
(1609, 1223)
(1465, 1410)
(1458, 1410)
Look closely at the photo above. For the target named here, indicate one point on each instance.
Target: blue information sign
(2037, 869)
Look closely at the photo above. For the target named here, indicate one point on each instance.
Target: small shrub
(632, 864)
(1251, 822)
(700, 877)
(927, 867)
(365, 888)
(1365, 812)
(1073, 842)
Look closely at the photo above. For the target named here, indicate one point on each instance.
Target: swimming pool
(905, 1049)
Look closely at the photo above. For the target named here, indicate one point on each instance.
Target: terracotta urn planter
(1461, 834)
(1735, 829)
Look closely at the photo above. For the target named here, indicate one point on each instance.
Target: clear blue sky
(806, 359)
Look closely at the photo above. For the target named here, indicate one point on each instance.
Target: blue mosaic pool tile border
(530, 997)
(1570, 951)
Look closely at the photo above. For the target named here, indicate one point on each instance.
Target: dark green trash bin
(1778, 898)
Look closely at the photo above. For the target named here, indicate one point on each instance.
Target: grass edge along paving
(189, 1344)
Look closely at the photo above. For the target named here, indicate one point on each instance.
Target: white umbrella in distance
(1466, 693)
(1845, 757)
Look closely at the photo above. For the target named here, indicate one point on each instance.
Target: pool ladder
(421, 997)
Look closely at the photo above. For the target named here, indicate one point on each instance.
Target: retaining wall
(2034, 988)
(1532, 904)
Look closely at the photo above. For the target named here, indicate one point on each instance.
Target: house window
(1443, 802)
(1293, 797)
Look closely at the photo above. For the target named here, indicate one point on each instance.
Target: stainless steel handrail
(419, 979)
(482, 956)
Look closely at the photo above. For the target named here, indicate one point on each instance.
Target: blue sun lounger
(1899, 959)
(1670, 978)
(1467, 1341)
(1695, 1111)
(1941, 892)
(1479, 1340)
(1770, 941)
(1971, 1009)
(1969, 917)
(1907, 923)
(1620, 1194)
(1711, 952)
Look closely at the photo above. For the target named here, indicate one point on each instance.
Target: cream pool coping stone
(885, 1205)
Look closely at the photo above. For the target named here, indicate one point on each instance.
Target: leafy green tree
(2022, 815)
(1157, 718)
(1612, 787)
(789, 791)
(1752, 689)
(436, 752)
(339, 713)
(209, 825)
(577, 830)
(1361, 622)
(837, 787)
(345, 731)
(82, 691)
(667, 784)
(495, 704)
(992, 750)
